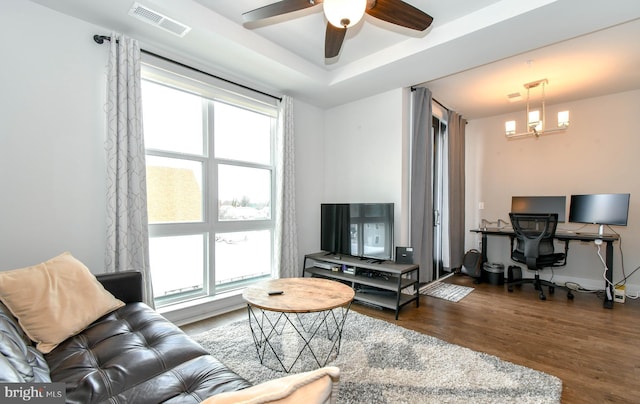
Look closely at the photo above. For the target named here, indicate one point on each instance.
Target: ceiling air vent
(161, 21)
(513, 97)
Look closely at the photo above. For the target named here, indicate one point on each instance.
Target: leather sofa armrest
(125, 285)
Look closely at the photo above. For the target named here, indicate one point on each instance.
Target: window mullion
(212, 192)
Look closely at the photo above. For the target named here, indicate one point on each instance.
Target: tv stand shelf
(381, 283)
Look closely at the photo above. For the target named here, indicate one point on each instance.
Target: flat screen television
(540, 204)
(358, 229)
(601, 209)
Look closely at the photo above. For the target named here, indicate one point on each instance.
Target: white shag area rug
(383, 363)
(446, 291)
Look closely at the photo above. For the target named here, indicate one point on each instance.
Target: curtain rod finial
(101, 38)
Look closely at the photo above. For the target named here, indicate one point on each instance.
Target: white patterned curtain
(286, 237)
(127, 231)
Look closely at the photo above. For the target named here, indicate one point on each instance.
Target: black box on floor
(494, 273)
(514, 273)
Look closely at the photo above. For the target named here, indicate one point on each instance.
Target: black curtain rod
(99, 39)
(413, 88)
(439, 103)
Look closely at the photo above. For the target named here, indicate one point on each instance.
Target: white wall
(597, 154)
(310, 162)
(364, 147)
(51, 138)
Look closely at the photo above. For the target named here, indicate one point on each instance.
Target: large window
(210, 186)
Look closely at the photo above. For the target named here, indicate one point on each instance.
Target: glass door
(440, 193)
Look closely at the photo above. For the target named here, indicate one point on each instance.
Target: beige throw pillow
(318, 386)
(55, 300)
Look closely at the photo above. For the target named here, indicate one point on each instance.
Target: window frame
(212, 90)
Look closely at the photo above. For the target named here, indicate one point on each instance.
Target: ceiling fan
(343, 14)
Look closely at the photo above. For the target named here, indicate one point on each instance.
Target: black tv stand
(376, 282)
(371, 260)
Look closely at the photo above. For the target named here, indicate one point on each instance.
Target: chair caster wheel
(551, 290)
(570, 296)
(542, 296)
(510, 288)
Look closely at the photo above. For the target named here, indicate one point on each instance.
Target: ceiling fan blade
(275, 9)
(333, 41)
(400, 13)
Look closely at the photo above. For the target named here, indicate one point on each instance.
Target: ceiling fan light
(344, 13)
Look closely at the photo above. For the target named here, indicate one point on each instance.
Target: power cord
(576, 287)
(633, 297)
(604, 273)
(622, 266)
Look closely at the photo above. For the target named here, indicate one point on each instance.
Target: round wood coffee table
(302, 326)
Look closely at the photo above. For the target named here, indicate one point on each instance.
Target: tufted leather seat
(135, 355)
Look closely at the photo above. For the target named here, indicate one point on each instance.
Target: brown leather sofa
(131, 355)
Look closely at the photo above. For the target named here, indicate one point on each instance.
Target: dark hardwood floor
(594, 351)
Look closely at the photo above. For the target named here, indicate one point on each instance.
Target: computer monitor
(540, 204)
(601, 209)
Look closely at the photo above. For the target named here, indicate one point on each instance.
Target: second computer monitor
(540, 204)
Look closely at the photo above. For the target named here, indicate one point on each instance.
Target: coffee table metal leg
(311, 329)
(262, 330)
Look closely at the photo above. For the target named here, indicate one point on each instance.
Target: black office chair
(534, 237)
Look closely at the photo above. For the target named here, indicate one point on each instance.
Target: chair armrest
(125, 285)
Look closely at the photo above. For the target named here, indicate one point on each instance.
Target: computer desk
(565, 236)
